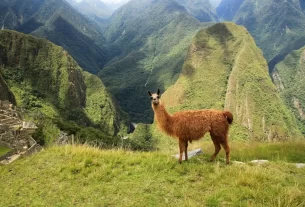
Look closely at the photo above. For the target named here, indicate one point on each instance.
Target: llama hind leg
(183, 147)
(185, 150)
(226, 147)
(217, 148)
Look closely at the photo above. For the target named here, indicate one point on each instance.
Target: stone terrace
(14, 134)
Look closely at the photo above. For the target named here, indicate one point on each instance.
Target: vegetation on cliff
(48, 83)
(288, 76)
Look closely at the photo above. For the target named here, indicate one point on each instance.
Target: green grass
(85, 176)
(4, 150)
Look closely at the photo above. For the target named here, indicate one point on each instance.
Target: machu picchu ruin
(15, 134)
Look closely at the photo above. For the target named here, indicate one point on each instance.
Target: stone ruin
(15, 134)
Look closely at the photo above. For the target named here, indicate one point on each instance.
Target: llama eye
(151, 98)
(158, 96)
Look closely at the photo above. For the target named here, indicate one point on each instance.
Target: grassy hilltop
(84, 176)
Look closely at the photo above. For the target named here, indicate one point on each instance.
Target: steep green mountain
(224, 69)
(227, 9)
(60, 23)
(149, 43)
(48, 82)
(288, 77)
(200, 9)
(277, 26)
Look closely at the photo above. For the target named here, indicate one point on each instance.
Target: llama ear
(149, 93)
(158, 91)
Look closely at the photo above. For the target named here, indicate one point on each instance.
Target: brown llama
(192, 125)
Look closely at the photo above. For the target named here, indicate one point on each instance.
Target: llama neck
(163, 118)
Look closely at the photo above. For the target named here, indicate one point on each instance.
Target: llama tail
(228, 116)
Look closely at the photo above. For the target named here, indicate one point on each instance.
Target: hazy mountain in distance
(92, 8)
(200, 9)
(215, 3)
(227, 9)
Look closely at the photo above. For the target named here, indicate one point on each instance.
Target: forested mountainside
(277, 26)
(289, 76)
(60, 23)
(48, 82)
(149, 43)
(200, 9)
(224, 69)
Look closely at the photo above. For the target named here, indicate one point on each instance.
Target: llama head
(155, 97)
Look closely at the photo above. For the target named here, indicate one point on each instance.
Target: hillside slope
(224, 69)
(46, 80)
(60, 23)
(288, 77)
(277, 26)
(149, 42)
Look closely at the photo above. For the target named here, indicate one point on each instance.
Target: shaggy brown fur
(192, 125)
